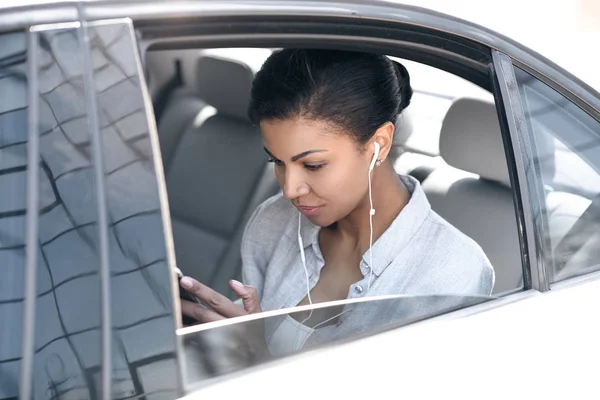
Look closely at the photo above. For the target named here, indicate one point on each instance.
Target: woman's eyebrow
(305, 153)
(297, 156)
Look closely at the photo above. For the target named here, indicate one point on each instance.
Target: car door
(94, 256)
(524, 162)
(86, 305)
(220, 356)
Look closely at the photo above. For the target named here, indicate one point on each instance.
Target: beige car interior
(217, 173)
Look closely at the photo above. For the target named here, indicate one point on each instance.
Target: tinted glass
(67, 343)
(220, 348)
(68, 336)
(567, 160)
(144, 359)
(13, 165)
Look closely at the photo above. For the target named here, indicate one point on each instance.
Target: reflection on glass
(68, 347)
(13, 204)
(567, 142)
(220, 348)
(67, 337)
(144, 359)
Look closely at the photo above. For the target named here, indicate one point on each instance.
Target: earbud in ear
(375, 155)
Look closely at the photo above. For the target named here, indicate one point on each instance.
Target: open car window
(204, 124)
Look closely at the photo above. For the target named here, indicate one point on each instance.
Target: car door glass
(144, 357)
(68, 332)
(567, 155)
(217, 349)
(13, 203)
(68, 346)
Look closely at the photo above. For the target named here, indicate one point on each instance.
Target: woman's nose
(294, 186)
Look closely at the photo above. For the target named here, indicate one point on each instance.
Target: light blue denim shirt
(419, 254)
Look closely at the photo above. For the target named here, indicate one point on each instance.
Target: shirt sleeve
(481, 279)
(254, 259)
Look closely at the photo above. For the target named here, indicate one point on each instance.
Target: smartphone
(185, 295)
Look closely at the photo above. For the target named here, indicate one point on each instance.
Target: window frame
(429, 47)
(522, 174)
(532, 174)
(226, 35)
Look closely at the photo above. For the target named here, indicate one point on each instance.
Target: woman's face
(320, 170)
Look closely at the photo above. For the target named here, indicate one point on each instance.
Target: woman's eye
(274, 160)
(313, 167)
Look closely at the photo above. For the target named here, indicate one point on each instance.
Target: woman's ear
(385, 137)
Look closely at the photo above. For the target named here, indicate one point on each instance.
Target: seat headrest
(404, 126)
(403, 129)
(225, 84)
(471, 140)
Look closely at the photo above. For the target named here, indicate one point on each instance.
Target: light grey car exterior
(91, 38)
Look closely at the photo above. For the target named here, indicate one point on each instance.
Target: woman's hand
(219, 306)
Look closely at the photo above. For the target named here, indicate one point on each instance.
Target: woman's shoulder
(464, 264)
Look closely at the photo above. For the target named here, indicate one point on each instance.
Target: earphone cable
(303, 257)
(371, 213)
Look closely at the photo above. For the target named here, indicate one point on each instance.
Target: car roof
(561, 34)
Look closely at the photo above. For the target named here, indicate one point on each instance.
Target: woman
(323, 115)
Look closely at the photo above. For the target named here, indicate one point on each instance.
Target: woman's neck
(389, 198)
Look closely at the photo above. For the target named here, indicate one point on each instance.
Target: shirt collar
(395, 238)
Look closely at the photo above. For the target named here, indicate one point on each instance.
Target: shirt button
(359, 289)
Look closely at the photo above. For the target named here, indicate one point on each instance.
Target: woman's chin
(319, 220)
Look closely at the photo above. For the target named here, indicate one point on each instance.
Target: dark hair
(358, 92)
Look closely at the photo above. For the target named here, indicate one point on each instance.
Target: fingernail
(186, 282)
(237, 284)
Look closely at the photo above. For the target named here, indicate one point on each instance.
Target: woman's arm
(253, 257)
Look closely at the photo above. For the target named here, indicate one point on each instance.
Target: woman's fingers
(248, 294)
(216, 301)
(199, 313)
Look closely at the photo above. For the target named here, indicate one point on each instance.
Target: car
(126, 154)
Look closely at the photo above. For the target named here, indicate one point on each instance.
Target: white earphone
(303, 257)
(371, 212)
(374, 162)
(375, 155)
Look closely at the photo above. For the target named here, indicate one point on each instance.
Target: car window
(13, 203)
(144, 357)
(210, 206)
(220, 348)
(567, 157)
(67, 323)
(217, 175)
(95, 148)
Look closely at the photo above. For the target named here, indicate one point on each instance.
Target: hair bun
(403, 77)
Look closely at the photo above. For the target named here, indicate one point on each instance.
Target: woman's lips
(306, 210)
